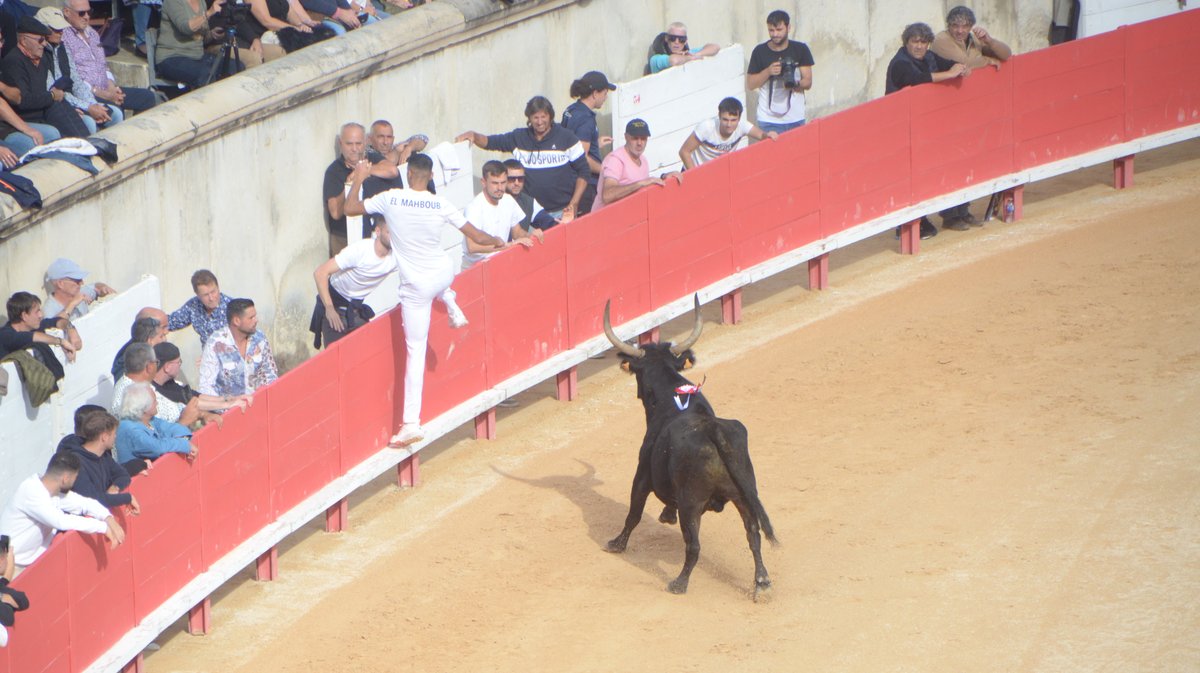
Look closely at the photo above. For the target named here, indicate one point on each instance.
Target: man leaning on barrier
(68, 297)
(27, 325)
(237, 360)
(671, 48)
(626, 170)
(719, 135)
(42, 506)
(345, 281)
(100, 478)
(974, 47)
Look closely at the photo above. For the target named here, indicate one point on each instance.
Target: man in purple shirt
(83, 43)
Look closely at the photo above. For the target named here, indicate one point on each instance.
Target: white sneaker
(410, 433)
(457, 317)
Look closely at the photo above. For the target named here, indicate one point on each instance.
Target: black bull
(693, 461)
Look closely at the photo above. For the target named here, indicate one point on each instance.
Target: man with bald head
(352, 150)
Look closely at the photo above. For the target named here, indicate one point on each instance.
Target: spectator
(915, 64)
(171, 391)
(43, 506)
(27, 327)
(283, 26)
(414, 218)
(589, 92)
(494, 212)
(780, 92)
(181, 36)
(719, 135)
(381, 143)
(553, 157)
(625, 170)
(18, 136)
(149, 327)
(91, 66)
(971, 45)
(345, 280)
(100, 477)
(536, 217)
(27, 69)
(78, 93)
(132, 468)
(671, 49)
(143, 11)
(11, 600)
(205, 312)
(141, 434)
(141, 366)
(352, 150)
(237, 360)
(68, 296)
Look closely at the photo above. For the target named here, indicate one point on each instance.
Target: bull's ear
(688, 363)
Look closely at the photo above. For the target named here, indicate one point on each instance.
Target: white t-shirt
(415, 220)
(361, 269)
(497, 220)
(712, 145)
(33, 516)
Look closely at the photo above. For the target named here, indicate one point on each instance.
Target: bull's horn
(620, 345)
(694, 336)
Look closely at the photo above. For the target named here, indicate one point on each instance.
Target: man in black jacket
(27, 69)
(100, 477)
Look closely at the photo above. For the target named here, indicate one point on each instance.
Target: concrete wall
(229, 177)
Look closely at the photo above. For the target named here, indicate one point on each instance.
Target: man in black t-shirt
(352, 147)
(780, 94)
(26, 326)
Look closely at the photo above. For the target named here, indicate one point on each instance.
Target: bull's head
(637, 359)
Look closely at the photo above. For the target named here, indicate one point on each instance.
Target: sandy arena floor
(982, 458)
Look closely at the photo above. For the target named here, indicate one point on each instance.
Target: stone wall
(229, 177)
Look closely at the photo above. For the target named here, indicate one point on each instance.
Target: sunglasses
(36, 38)
(517, 178)
(81, 12)
(677, 38)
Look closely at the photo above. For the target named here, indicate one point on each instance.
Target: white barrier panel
(1101, 16)
(29, 435)
(452, 175)
(675, 100)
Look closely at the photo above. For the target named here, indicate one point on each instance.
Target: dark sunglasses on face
(82, 12)
(677, 38)
(517, 178)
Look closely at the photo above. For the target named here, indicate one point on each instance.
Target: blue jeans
(191, 71)
(20, 143)
(780, 128)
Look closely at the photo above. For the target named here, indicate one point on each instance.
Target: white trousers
(417, 292)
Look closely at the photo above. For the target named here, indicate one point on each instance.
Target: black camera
(3, 544)
(231, 15)
(788, 67)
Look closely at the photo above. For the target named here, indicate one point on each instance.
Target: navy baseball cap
(637, 128)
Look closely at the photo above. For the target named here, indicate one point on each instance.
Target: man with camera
(781, 71)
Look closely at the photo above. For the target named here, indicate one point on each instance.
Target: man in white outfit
(494, 212)
(414, 218)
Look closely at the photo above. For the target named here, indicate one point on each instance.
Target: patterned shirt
(87, 57)
(223, 370)
(193, 313)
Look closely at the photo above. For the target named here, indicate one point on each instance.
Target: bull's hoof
(615, 546)
(678, 586)
(668, 516)
(762, 592)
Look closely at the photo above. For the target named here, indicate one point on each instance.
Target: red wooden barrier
(367, 391)
(456, 360)
(866, 162)
(775, 195)
(40, 642)
(235, 484)
(961, 135)
(689, 233)
(608, 257)
(100, 581)
(304, 431)
(1069, 99)
(166, 540)
(1162, 84)
(527, 306)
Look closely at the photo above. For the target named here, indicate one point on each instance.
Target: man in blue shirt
(206, 312)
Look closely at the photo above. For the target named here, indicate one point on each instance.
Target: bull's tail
(737, 463)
